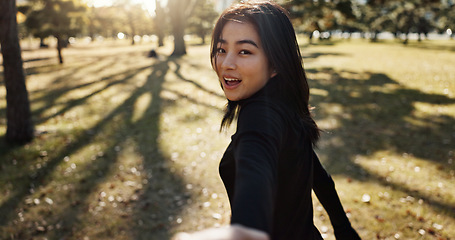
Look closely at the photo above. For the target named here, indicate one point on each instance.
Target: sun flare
(147, 4)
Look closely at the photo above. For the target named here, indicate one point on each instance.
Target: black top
(270, 168)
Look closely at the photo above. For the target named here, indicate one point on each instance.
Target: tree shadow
(431, 45)
(196, 84)
(371, 113)
(155, 203)
(163, 199)
(163, 185)
(52, 96)
(37, 59)
(164, 196)
(314, 55)
(317, 42)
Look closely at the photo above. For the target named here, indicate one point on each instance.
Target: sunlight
(147, 4)
(140, 106)
(99, 3)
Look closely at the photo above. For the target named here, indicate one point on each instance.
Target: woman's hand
(232, 232)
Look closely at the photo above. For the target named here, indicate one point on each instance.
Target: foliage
(412, 16)
(374, 16)
(59, 18)
(134, 18)
(321, 15)
(445, 17)
(202, 20)
(104, 22)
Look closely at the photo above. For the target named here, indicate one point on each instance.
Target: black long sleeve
(269, 170)
(324, 188)
(256, 154)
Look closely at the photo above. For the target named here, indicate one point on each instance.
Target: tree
(374, 17)
(445, 18)
(35, 22)
(59, 18)
(201, 22)
(136, 20)
(179, 12)
(18, 115)
(404, 17)
(104, 21)
(160, 22)
(320, 15)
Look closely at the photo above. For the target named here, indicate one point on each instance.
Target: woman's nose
(229, 62)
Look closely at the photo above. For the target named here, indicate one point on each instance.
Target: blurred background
(154, 20)
(110, 116)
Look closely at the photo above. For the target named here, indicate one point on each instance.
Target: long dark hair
(283, 53)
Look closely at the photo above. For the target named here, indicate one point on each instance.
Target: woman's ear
(273, 74)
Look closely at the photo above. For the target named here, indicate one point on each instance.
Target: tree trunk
(159, 22)
(178, 30)
(202, 36)
(179, 42)
(59, 49)
(374, 38)
(179, 13)
(405, 42)
(160, 39)
(18, 115)
(132, 26)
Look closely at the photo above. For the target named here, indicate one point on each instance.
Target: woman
(269, 169)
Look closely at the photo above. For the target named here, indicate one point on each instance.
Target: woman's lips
(231, 82)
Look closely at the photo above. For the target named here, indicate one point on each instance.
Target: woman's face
(241, 64)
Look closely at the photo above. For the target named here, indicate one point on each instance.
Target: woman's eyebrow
(245, 41)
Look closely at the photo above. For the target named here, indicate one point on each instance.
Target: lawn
(127, 147)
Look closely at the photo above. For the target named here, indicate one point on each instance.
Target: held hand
(233, 232)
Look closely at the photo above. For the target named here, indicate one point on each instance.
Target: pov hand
(233, 232)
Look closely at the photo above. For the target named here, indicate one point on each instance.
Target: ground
(127, 147)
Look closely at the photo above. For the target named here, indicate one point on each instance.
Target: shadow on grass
(52, 96)
(317, 42)
(376, 113)
(37, 59)
(431, 45)
(157, 201)
(164, 196)
(314, 55)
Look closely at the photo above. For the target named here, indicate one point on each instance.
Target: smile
(232, 82)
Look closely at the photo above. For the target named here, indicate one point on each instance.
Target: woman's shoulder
(261, 107)
(262, 116)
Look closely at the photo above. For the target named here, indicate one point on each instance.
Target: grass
(127, 147)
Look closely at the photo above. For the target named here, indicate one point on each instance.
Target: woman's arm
(257, 143)
(324, 188)
(233, 232)
(256, 152)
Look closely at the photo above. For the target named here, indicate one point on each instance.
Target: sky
(147, 4)
(150, 4)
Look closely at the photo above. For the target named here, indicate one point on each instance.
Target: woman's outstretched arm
(324, 188)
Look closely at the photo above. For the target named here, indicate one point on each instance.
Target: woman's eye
(220, 50)
(245, 52)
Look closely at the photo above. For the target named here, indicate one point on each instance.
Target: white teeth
(231, 79)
